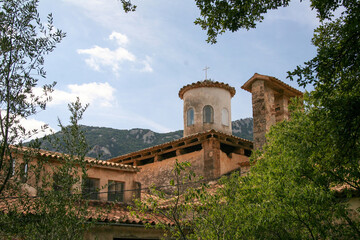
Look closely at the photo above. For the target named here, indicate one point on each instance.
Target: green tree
(172, 205)
(58, 210)
(39, 199)
(24, 41)
(287, 195)
(290, 192)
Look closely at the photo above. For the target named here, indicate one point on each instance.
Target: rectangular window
(91, 188)
(23, 172)
(13, 166)
(116, 191)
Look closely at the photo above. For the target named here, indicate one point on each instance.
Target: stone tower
(207, 105)
(270, 99)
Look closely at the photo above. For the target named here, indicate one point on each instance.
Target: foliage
(24, 41)
(128, 6)
(40, 196)
(292, 192)
(172, 207)
(58, 200)
(287, 195)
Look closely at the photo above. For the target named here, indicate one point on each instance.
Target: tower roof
(275, 83)
(207, 83)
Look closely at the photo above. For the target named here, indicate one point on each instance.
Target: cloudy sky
(130, 67)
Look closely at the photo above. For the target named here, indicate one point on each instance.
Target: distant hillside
(108, 142)
(243, 128)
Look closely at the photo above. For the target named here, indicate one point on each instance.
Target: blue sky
(130, 67)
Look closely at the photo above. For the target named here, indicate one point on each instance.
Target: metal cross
(205, 69)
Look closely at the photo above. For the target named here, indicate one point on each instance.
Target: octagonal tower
(207, 105)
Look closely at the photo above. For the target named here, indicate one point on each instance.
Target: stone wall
(232, 161)
(197, 98)
(263, 111)
(160, 173)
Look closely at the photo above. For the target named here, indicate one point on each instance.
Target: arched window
(208, 114)
(190, 116)
(225, 117)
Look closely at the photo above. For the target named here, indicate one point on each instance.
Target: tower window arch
(190, 117)
(208, 114)
(225, 117)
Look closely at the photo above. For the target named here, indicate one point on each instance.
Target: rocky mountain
(243, 128)
(107, 143)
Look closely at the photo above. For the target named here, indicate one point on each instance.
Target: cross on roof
(205, 69)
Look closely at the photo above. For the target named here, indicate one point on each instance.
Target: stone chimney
(207, 105)
(270, 99)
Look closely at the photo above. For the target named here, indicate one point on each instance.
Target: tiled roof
(292, 91)
(119, 213)
(92, 161)
(100, 211)
(207, 83)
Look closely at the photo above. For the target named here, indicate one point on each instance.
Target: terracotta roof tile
(273, 80)
(101, 211)
(59, 156)
(207, 83)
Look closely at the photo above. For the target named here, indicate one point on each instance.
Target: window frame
(24, 168)
(90, 188)
(190, 121)
(117, 194)
(208, 109)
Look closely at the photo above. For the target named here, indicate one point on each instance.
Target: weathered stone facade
(211, 154)
(270, 99)
(207, 93)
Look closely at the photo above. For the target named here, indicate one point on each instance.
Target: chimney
(270, 99)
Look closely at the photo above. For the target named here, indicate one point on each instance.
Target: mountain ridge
(106, 143)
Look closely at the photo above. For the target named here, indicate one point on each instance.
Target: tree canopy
(303, 179)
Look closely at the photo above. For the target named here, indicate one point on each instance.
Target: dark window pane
(116, 191)
(91, 188)
(190, 117)
(208, 114)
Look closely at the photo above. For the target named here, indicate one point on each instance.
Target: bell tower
(207, 105)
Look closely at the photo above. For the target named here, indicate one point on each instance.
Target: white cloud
(121, 39)
(33, 124)
(99, 57)
(33, 128)
(94, 93)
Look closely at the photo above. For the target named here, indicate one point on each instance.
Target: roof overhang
(273, 83)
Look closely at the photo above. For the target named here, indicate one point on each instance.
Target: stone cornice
(292, 92)
(207, 83)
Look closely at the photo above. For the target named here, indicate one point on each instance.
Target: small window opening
(24, 172)
(190, 117)
(247, 152)
(225, 117)
(208, 114)
(13, 165)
